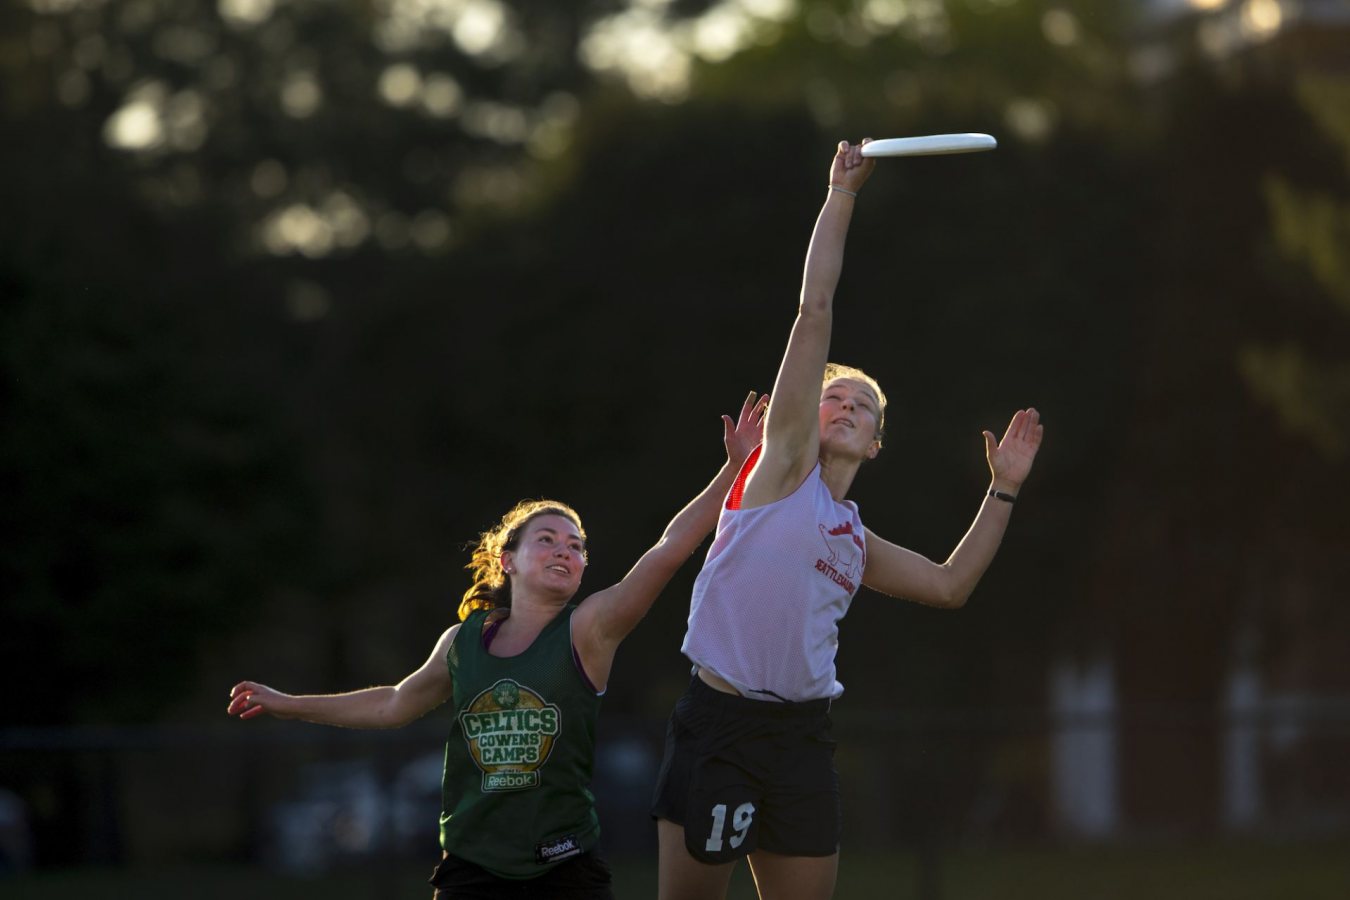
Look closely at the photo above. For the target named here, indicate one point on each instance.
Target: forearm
(698, 518)
(1010, 461)
(791, 425)
(375, 707)
(611, 615)
(893, 570)
(825, 254)
(976, 550)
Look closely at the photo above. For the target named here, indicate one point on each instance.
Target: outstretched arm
(893, 570)
(390, 706)
(792, 432)
(606, 618)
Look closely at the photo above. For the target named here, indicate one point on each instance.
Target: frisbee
(930, 145)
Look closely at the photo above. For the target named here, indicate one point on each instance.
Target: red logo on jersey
(846, 528)
(843, 567)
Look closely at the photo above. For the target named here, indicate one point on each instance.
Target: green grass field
(1227, 872)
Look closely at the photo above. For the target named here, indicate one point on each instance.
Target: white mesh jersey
(778, 579)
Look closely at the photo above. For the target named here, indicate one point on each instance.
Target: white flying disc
(930, 145)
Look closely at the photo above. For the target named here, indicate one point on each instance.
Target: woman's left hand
(744, 434)
(1010, 459)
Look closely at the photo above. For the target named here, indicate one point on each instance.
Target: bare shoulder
(442, 648)
(591, 606)
(448, 636)
(439, 660)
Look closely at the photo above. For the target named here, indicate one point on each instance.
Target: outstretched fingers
(1029, 428)
(1012, 457)
(747, 431)
(753, 410)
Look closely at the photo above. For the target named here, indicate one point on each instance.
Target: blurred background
(300, 296)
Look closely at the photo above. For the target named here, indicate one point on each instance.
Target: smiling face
(850, 418)
(548, 556)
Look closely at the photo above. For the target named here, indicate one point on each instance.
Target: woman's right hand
(850, 169)
(249, 699)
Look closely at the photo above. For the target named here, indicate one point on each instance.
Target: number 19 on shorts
(741, 820)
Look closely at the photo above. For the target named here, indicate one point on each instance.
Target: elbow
(953, 589)
(387, 719)
(397, 711)
(397, 721)
(953, 595)
(815, 304)
(677, 545)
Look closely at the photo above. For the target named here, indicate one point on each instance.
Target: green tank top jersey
(516, 796)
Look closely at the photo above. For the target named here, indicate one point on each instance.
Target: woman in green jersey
(525, 669)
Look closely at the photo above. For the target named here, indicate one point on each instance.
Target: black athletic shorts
(584, 877)
(742, 775)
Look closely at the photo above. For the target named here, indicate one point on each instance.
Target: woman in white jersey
(749, 762)
(530, 665)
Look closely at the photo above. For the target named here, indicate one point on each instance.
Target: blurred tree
(1308, 382)
(194, 188)
(1214, 549)
(150, 496)
(299, 297)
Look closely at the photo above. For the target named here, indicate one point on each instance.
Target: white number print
(741, 820)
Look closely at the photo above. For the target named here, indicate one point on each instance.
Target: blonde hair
(491, 589)
(839, 370)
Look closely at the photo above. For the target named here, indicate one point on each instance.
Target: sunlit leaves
(1327, 100)
(1310, 227)
(1310, 397)
(1313, 229)
(245, 13)
(153, 118)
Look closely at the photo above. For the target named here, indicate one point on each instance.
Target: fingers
(239, 704)
(752, 411)
(1035, 428)
(849, 167)
(1012, 457)
(851, 154)
(245, 700)
(855, 157)
(761, 409)
(1025, 426)
(1029, 427)
(747, 408)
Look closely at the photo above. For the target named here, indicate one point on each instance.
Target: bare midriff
(716, 682)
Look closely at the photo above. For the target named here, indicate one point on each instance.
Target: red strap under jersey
(738, 488)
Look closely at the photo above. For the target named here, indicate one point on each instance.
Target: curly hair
(491, 589)
(838, 370)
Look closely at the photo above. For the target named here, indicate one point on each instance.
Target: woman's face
(849, 414)
(549, 557)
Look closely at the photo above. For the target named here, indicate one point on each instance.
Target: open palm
(744, 434)
(1010, 459)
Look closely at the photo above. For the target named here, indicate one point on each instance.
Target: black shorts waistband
(748, 706)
